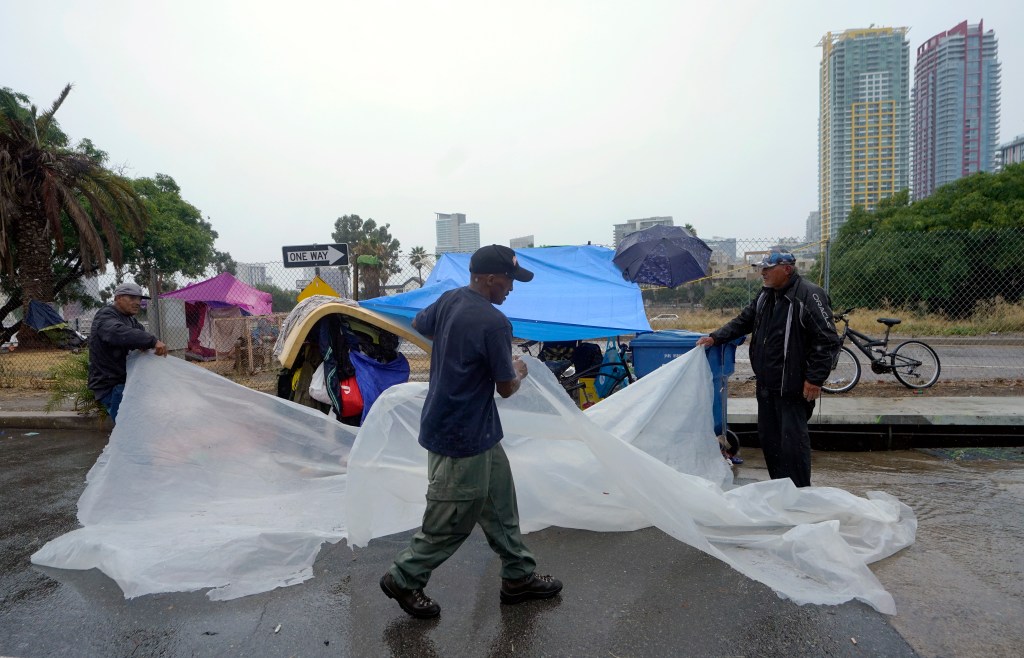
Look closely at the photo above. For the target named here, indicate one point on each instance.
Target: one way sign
(315, 255)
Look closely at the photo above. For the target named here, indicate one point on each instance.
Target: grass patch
(70, 384)
(990, 317)
(26, 368)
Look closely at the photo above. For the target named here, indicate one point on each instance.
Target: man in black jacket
(114, 333)
(792, 348)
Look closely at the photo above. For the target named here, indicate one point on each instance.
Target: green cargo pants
(462, 492)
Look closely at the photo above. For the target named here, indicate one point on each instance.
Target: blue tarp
(577, 293)
(42, 316)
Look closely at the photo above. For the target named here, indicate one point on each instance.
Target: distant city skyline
(275, 123)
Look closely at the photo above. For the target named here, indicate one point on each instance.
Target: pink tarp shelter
(223, 296)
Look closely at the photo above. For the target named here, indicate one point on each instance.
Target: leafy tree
(62, 214)
(366, 238)
(223, 262)
(945, 253)
(687, 293)
(283, 300)
(725, 296)
(178, 239)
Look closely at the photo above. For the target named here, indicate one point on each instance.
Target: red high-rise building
(956, 107)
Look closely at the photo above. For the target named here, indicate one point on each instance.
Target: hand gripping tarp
(206, 484)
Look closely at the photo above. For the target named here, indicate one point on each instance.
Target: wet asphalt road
(626, 594)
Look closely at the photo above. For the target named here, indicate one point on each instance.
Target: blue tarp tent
(48, 322)
(576, 294)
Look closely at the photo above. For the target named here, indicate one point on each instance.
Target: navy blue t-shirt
(472, 350)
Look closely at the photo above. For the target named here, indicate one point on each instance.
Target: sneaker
(736, 459)
(413, 601)
(528, 588)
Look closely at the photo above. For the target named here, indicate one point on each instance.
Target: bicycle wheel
(915, 364)
(845, 374)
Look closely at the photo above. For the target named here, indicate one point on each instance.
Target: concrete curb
(53, 420)
(1002, 412)
(941, 411)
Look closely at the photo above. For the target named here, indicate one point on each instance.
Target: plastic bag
(318, 387)
(610, 375)
(351, 398)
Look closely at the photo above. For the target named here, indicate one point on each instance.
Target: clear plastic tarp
(208, 485)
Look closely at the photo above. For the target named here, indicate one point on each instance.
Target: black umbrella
(663, 256)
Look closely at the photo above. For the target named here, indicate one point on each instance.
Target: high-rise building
(956, 106)
(813, 231)
(255, 274)
(864, 121)
(1012, 152)
(454, 234)
(726, 246)
(634, 225)
(469, 238)
(525, 242)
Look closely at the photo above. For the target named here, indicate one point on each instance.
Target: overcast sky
(556, 119)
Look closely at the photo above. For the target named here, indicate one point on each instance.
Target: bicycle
(913, 363)
(619, 374)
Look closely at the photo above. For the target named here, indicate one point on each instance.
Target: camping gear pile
(48, 322)
(338, 357)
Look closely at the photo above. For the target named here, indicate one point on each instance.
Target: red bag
(351, 398)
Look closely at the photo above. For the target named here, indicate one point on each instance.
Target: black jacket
(793, 336)
(112, 335)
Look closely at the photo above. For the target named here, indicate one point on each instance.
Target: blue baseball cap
(776, 258)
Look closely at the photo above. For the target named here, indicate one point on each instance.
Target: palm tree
(416, 257)
(49, 194)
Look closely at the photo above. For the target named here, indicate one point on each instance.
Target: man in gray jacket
(792, 347)
(114, 333)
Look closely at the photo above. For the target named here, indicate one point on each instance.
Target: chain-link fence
(960, 291)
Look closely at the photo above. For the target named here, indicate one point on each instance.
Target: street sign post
(315, 255)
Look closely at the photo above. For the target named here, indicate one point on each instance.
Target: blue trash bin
(655, 349)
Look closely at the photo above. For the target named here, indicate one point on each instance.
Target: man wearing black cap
(470, 481)
(114, 333)
(792, 347)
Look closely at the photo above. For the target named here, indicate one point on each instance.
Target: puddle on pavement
(959, 588)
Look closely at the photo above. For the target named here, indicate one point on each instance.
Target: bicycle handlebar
(842, 316)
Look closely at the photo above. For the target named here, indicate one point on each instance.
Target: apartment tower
(956, 107)
(864, 121)
(454, 234)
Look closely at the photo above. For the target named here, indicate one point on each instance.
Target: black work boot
(413, 601)
(528, 588)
